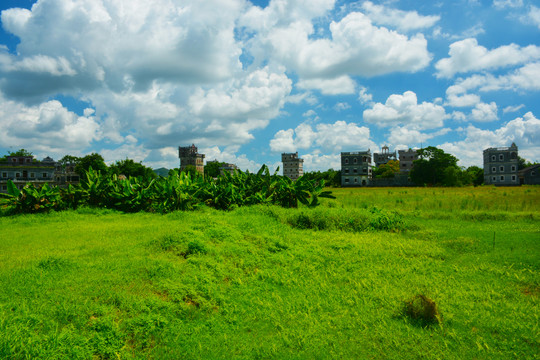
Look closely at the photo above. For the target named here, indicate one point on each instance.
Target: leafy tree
(211, 168)
(331, 177)
(475, 175)
(431, 167)
(191, 169)
(522, 163)
(388, 170)
(94, 161)
(130, 168)
(69, 159)
(21, 152)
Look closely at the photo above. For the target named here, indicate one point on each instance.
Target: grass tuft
(422, 310)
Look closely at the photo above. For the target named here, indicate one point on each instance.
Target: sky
(248, 80)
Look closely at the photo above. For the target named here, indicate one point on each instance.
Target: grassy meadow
(264, 282)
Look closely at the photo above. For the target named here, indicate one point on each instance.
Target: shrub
(422, 310)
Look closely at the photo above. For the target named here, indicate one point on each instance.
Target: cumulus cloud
(405, 110)
(399, 19)
(355, 47)
(328, 137)
(524, 78)
(466, 56)
(483, 112)
(524, 131)
(456, 96)
(364, 97)
(409, 137)
(48, 128)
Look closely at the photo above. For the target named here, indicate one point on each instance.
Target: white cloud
(404, 136)
(402, 20)
(342, 106)
(342, 85)
(364, 97)
(523, 131)
(533, 16)
(229, 155)
(513, 108)
(456, 97)
(405, 110)
(355, 47)
(502, 4)
(328, 137)
(309, 113)
(483, 112)
(524, 78)
(47, 129)
(466, 56)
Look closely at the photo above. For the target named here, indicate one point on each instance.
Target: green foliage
(211, 169)
(434, 167)
(184, 191)
(21, 152)
(94, 161)
(330, 177)
(130, 168)
(388, 170)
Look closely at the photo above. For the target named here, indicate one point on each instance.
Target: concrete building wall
(406, 159)
(356, 168)
(501, 166)
(293, 166)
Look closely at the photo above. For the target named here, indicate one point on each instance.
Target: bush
(422, 310)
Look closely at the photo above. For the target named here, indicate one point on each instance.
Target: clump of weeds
(422, 310)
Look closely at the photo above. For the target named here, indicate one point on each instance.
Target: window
(355, 171)
(501, 157)
(44, 175)
(4, 187)
(27, 160)
(513, 167)
(494, 178)
(355, 180)
(346, 171)
(501, 168)
(347, 180)
(355, 161)
(346, 161)
(513, 177)
(533, 173)
(493, 169)
(32, 175)
(502, 177)
(17, 175)
(493, 158)
(4, 175)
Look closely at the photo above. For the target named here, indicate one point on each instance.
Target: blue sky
(246, 81)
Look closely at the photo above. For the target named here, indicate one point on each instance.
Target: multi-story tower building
(384, 156)
(406, 159)
(189, 156)
(356, 168)
(228, 168)
(501, 165)
(293, 166)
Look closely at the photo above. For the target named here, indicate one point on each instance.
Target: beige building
(189, 156)
(293, 166)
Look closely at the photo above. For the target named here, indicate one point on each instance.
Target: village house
(501, 166)
(293, 166)
(22, 170)
(530, 175)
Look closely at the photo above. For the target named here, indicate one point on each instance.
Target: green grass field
(273, 283)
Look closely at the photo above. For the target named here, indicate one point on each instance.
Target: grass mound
(422, 310)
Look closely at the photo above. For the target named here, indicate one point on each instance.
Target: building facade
(356, 168)
(228, 168)
(530, 175)
(501, 166)
(22, 170)
(293, 166)
(384, 156)
(189, 156)
(406, 159)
